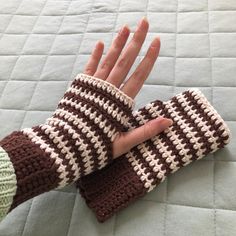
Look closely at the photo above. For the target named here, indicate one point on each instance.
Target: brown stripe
(204, 117)
(163, 137)
(70, 145)
(153, 150)
(149, 170)
(65, 162)
(36, 172)
(188, 120)
(101, 93)
(180, 134)
(71, 142)
(78, 153)
(164, 111)
(210, 122)
(95, 107)
(98, 131)
(199, 133)
(95, 128)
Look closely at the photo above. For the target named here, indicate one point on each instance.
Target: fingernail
(143, 21)
(156, 42)
(125, 29)
(165, 121)
(168, 122)
(99, 43)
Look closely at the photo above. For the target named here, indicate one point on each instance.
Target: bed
(45, 43)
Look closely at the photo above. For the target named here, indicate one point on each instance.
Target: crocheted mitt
(197, 130)
(75, 141)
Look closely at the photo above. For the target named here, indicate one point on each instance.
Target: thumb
(125, 141)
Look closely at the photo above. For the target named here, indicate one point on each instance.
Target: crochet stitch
(74, 142)
(197, 130)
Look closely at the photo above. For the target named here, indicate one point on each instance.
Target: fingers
(94, 59)
(126, 60)
(113, 53)
(128, 140)
(136, 81)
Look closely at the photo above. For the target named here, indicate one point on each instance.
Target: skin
(114, 69)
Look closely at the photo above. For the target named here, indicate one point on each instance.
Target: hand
(114, 69)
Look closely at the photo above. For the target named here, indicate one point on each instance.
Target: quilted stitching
(45, 43)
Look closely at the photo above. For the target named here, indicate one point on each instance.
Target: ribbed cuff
(8, 183)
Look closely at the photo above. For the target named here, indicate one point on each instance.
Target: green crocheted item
(7, 183)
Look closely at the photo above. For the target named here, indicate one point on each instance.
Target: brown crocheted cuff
(197, 130)
(35, 171)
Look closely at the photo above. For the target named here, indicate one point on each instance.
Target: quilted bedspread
(45, 43)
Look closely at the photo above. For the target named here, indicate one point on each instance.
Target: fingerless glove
(196, 131)
(74, 142)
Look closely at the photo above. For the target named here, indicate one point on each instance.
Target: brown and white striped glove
(74, 142)
(197, 130)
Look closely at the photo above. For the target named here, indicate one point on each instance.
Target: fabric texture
(74, 142)
(197, 131)
(7, 183)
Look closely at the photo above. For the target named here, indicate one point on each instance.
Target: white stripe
(79, 142)
(181, 120)
(153, 162)
(65, 150)
(167, 156)
(108, 87)
(173, 137)
(86, 129)
(44, 146)
(210, 111)
(139, 170)
(161, 146)
(148, 157)
(132, 158)
(202, 125)
(120, 116)
(93, 116)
